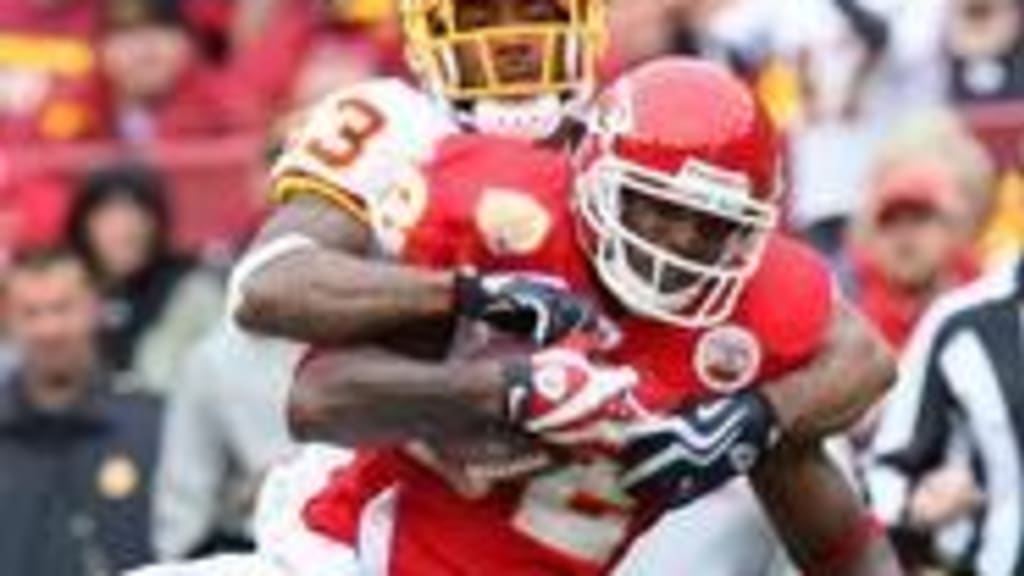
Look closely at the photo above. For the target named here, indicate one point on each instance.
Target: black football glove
(677, 458)
(540, 308)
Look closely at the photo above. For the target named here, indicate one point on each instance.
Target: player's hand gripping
(534, 306)
(562, 395)
(676, 458)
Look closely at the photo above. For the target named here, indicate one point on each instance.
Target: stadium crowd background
(137, 134)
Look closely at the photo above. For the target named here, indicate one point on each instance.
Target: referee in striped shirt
(959, 406)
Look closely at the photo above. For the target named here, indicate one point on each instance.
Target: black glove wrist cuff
(761, 426)
(469, 293)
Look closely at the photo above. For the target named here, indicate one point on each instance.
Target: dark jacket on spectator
(75, 487)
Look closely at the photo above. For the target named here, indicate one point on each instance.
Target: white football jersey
(361, 147)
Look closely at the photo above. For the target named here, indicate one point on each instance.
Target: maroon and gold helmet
(458, 63)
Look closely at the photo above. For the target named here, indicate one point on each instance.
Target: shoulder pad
(352, 146)
(788, 305)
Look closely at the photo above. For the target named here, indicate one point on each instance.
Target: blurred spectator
(333, 60)
(947, 458)
(224, 429)
(911, 247)
(45, 49)
(694, 23)
(46, 53)
(626, 19)
(77, 453)
(154, 84)
(939, 136)
(32, 215)
(157, 304)
(986, 45)
(268, 40)
(50, 17)
(211, 22)
(854, 67)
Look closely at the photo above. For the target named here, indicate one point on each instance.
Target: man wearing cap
(911, 248)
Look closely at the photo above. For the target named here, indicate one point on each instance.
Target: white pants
(723, 534)
(284, 545)
(226, 565)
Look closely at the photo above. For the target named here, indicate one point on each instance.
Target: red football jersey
(504, 205)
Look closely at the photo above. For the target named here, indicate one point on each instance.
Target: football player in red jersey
(677, 215)
(313, 276)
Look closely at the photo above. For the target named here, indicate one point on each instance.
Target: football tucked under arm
(453, 411)
(376, 397)
(501, 416)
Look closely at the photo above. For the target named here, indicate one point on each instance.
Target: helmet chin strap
(531, 119)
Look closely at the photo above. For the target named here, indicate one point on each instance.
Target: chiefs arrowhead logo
(512, 223)
(727, 358)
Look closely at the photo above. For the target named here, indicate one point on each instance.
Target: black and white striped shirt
(961, 394)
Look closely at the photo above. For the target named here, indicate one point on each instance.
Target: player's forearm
(309, 275)
(831, 393)
(818, 515)
(330, 298)
(364, 397)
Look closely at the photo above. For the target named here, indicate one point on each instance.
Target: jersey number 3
(358, 122)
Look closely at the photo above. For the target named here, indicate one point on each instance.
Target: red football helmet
(689, 139)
